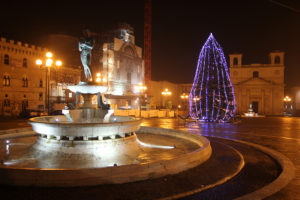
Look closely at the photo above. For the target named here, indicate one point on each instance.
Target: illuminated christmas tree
(212, 96)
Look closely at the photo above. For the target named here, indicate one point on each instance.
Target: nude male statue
(86, 44)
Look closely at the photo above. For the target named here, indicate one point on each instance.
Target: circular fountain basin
(148, 153)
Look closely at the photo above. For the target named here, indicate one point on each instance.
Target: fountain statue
(85, 47)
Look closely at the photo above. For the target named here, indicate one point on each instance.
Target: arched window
(41, 96)
(277, 60)
(24, 62)
(6, 102)
(6, 80)
(235, 61)
(6, 59)
(255, 74)
(41, 83)
(25, 82)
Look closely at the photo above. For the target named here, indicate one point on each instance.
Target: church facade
(261, 85)
(119, 63)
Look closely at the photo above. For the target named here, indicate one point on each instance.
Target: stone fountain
(91, 146)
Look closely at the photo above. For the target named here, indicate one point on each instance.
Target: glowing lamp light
(98, 74)
(196, 98)
(49, 55)
(98, 80)
(104, 80)
(140, 87)
(184, 96)
(49, 62)
(287, 99)
(58, 63)
(166, 92)
(39, 62)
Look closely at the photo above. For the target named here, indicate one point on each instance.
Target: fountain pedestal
(88, 112)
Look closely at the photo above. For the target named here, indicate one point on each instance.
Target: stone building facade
(178, 98)
(60, 79)
(120, 62)
(23, 82)
(23, 85)
(261, 85)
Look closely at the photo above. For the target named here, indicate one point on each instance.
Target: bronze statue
(86, 44)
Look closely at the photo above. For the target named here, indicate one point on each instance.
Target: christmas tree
(212, 95)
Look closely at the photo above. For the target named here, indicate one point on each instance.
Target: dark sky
(180, 28)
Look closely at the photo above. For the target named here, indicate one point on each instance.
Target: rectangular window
(6, 103)
(41, 96)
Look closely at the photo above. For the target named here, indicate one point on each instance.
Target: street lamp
(166, 93)
(48, 63)
(287, 99)
(288, 107)
(196, 98)
(184, 98)
(140, 88)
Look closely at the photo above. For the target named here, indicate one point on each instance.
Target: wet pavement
(279, 133)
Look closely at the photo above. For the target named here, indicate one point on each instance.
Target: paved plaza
(279, 133)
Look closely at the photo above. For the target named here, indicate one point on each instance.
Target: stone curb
(287, 174)
(191, 192)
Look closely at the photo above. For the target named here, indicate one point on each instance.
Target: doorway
(255, 106)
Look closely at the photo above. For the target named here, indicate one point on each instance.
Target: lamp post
(48, 63)
(287, 105)
(184, 98)
(166, 93)
(140, 88)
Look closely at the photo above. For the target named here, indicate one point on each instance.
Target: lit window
(6, 80)
(25, 82)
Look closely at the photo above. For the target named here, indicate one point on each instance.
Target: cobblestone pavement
(279, 133)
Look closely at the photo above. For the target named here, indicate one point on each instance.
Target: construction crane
(147, 40)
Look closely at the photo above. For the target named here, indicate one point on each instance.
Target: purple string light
(212, 96)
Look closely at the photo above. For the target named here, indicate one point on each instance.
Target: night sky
(180, 28)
